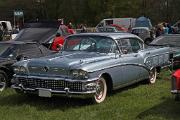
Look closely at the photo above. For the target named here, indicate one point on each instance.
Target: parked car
(108, 29)
(40, 32)
(173, 41)
(175, 89)
(144, 33)
(123, 22)
(6, 28)
(13, 51)
(91, 64)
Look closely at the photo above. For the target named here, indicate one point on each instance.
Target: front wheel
(3, 80)
(101, 90)
(152, 76)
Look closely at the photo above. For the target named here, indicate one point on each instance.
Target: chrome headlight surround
(19, 70)
(79, 74)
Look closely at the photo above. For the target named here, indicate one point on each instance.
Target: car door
(131, 60)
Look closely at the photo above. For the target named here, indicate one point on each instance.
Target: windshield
(167, 40)
(7, 50)
(90, 44)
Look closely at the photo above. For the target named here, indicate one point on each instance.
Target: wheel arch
(7, 71)
(109, 82)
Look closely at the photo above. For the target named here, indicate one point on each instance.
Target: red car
(176, 84)
(58, 41)
(119, 28)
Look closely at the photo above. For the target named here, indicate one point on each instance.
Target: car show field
(138, 102)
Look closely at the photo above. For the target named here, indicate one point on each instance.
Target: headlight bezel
(79, 74)
(19, 70)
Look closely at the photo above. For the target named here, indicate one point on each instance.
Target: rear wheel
(101, 90)
(3, 80)
(152, 76)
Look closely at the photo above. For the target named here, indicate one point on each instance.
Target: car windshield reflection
(6, 50)
(90, 44)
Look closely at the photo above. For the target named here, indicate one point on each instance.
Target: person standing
(70, 28)
(165, 28)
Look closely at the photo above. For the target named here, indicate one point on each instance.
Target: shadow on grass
(41, 103)
(55, 102)
(168, 109)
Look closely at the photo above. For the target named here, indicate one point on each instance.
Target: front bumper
(46, 86)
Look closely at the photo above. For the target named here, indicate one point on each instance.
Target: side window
(106, 46)
(30, 51)
(135, 44)
(125, 46)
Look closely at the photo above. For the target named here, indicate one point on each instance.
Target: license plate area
(44, 93)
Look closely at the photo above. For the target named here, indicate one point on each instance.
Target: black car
(41, 32)
(13, 51)
(173, 41)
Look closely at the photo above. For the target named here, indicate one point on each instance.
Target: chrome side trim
(57, 78)
(122, 64)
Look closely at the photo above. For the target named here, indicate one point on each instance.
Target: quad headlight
(79, 74)
(19, 70)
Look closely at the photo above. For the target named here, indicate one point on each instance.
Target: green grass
(137, 102)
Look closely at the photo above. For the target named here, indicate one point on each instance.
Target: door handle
(136, 55)
(148, 53)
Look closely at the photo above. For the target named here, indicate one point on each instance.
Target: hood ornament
(45, 68)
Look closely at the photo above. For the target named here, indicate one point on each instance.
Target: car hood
(5, 61)
(68, 59)
(35, 34)
(63, 62)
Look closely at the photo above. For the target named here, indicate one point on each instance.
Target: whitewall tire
(152, 76)
(101, 90)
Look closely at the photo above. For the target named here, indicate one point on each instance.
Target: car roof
(173, 39)
(135, 28)
(114, 35)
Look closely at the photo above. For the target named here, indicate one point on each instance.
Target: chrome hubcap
(99, 90)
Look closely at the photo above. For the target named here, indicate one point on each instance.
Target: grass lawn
(137, 102)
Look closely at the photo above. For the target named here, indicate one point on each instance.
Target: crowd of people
(164, 28)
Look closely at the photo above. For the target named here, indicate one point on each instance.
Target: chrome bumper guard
(44, 92)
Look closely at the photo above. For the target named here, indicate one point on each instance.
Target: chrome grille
(50, 84)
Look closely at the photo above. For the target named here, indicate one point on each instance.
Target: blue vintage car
(91, 64)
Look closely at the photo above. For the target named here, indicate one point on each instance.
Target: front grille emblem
(46, 68)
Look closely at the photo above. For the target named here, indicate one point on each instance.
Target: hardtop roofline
(111, 35)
